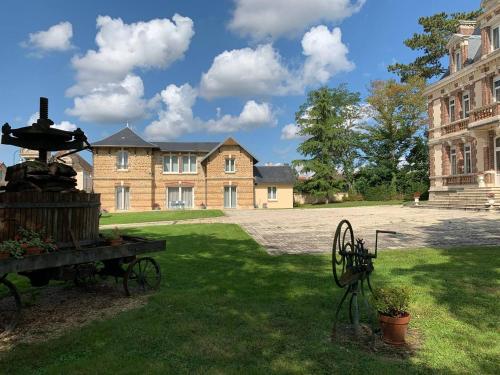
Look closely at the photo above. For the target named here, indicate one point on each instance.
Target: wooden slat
(70, 257)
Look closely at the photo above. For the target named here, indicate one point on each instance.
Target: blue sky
(221, 68)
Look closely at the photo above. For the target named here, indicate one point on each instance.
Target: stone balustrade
(462, 179)
(485, 112)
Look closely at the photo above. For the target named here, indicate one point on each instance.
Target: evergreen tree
(327, 121)
(437, 30)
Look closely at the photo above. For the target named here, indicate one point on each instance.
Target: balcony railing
(455, 126)
(463, 179)
(485, 112)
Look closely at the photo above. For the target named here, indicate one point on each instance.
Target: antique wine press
(352, 265)
(42, 137)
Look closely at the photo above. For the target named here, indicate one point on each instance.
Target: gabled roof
(276, 174)
(124, 138)
(229, 142)
(187, 146)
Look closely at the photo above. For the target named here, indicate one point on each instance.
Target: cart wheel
(142, 275)
(10, 306)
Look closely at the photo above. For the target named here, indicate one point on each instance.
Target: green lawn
(151, 216)
(226, 307)
(351, 204)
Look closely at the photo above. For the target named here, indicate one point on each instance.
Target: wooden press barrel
(66, 217)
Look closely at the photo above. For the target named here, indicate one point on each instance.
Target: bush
(381, 193)
(392, 302)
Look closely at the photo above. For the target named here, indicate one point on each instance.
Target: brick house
(132, 174)
(464, 113)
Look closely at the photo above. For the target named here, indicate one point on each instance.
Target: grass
(352, 204)
(227, 307)
(153, 216)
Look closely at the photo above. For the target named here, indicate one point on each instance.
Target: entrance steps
(464, 199)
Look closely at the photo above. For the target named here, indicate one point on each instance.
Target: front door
(497, 160)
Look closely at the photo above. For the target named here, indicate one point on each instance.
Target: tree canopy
(437, 30)
(327, 122)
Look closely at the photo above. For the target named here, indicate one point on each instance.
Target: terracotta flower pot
(116, 241)
(34, 251)
(4, 255)
(394, 329)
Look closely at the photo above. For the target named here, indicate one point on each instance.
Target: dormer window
(451, 109)
(495, 38)
(458, 61)
(496, 90)
(122, 160)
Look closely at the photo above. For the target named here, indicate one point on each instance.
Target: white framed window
(458, 61)
(170, 164)
(272, 193)
(467, 158)
(453, 161)
(495, 38)
(122, 160)
(496, 89)
(189, 164)
(451, 109)
(230, 197)
(230, 165)
(180, 197)
(122, 198)
(465, 104)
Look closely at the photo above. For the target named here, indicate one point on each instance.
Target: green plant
(115, 234)
(392, 301)
(12, 247)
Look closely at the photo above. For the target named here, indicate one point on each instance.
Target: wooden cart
(82, 266)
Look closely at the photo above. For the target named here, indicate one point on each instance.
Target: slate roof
(276, 174)
(124, 138)
(187, 146)
(229, 141)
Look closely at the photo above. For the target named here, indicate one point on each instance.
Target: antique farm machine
(352, 265)
(49, 230)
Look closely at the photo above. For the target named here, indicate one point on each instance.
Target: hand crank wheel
(142, 275)
(343, 246)
(10, 306)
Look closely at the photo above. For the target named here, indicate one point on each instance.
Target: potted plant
(4, 253)
(14, 249)
(34, 242)
(392, 306)
(115, 238)
(416, 197)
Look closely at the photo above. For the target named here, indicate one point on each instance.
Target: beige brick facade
(148, 184)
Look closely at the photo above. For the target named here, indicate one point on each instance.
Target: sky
(196, 70)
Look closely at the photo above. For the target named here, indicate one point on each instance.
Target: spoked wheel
(342, 250)
(10, 306)
(142, 275)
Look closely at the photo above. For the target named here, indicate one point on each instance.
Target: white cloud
(177, 117)
(326, 55)
(63, 125)
(246, 71)
(261, 19)
(56, 38)
(107, 90)
(112, 102)
(290, 131)
(260, 71)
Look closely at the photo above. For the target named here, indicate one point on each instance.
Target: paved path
(312, 230)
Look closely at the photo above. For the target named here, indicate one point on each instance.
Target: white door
(497, 160)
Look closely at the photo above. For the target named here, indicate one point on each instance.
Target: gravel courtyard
(312, 230)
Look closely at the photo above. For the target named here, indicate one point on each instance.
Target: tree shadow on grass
(225, 306)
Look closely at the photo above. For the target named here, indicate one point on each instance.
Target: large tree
(437, 30)
(392, 139)
(327, 121)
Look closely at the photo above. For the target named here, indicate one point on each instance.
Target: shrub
(381, 193)
(392, 301)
